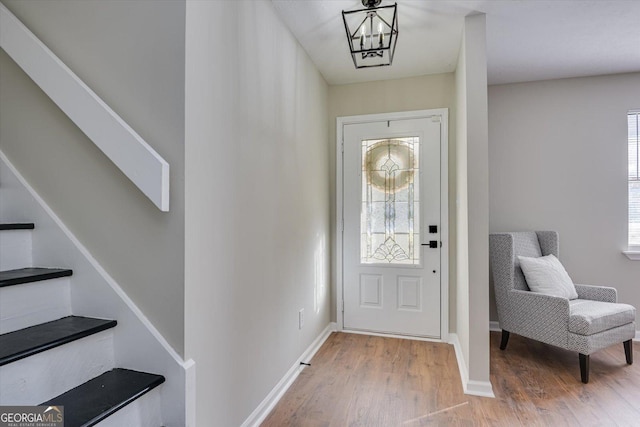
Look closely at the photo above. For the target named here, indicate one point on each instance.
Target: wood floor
(359, 380)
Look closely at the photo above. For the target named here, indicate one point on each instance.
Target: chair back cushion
(524, 244)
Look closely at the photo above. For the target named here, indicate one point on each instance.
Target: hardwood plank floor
(361, 380)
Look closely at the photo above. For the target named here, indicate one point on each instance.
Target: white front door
(392, 225)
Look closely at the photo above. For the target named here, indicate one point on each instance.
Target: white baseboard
(269, 402)
(462, 367)
(471, 387)
(479, 388)
(637, 337)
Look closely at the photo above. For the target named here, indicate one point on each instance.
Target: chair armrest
(597, 293)
(541, 317)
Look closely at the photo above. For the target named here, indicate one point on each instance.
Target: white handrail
(117, 140)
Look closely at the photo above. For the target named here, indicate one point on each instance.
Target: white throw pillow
(546, 275)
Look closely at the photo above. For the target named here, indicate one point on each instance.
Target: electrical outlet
(301, 318)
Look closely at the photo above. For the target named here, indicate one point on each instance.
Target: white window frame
(633, 251)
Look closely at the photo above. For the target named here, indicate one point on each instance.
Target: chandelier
(372, 33)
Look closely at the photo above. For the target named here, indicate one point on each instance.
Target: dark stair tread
(17, 226)
(95, 400)
(35, 339)
(31, 274)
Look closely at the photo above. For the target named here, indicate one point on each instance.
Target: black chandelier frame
(363, 46)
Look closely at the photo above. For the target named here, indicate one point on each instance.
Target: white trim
(637, 337)
(339, 231)
(462, 367)
(471, 387)
(479, 388)
(444, 205)
(190, 393)
(381, 334)
(117, 140)
(444, 225)
(633, 255)
(269, 402)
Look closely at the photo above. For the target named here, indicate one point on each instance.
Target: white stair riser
(38, 378)
(15, 249)
(143, 412)
(29, 304)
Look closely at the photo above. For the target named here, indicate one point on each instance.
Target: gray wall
(138, 70)
(558, 161)
(257, 205)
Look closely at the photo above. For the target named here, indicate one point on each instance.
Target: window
(633, 120)
(390, 213)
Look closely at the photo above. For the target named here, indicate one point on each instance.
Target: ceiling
(527, 40)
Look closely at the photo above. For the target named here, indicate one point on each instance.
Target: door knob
(433, 244)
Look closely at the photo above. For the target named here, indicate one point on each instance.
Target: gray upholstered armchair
(589, 323)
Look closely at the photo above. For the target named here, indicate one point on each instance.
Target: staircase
(50, 357)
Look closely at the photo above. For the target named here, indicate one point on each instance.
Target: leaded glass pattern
(390, 212)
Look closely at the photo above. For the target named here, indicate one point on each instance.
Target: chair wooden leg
(628, 351)
(505, 339)
(584, 367)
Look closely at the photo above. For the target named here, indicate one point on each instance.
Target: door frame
(443, 115)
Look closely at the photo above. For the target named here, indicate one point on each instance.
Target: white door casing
(374, 292)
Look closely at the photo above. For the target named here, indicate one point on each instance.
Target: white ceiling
(527, 40)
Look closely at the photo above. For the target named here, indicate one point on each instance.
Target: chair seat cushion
(589, 317)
